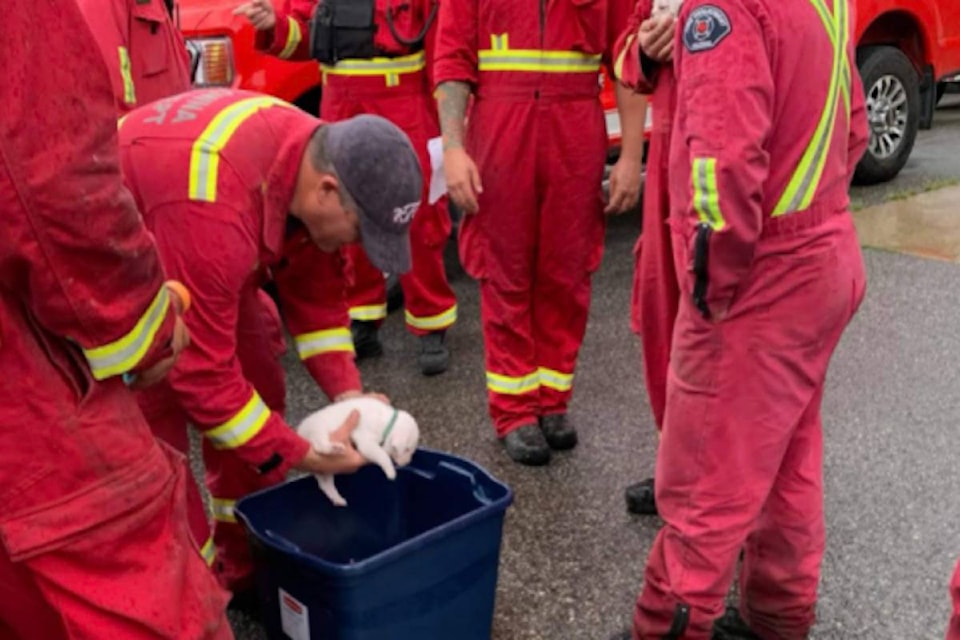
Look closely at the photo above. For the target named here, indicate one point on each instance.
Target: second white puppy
(385, 436)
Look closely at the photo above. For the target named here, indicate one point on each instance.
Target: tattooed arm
(463, 178)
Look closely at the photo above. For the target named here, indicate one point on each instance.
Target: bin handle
(478, 491)
(282, 542)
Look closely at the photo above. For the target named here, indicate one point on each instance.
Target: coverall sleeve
(456, 58)
(618, 16)
(725, 99)
(290, 38)
(214, 260)
(86, 266)
(312, 294)
(627, 67)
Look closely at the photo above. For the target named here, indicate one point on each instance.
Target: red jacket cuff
(275, 450)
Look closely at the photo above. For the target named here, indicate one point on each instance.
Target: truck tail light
(211, 61)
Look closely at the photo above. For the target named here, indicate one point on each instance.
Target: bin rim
(386, 556)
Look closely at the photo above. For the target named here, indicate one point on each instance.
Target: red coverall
(656, 292)
(769, 126)
(537, 135)
(93, 535)
(144, 51)
(220, 227)
(397, 87)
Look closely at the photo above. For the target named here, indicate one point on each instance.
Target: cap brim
(389, 252)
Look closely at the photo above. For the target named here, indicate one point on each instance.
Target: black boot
(641, 499)
(527, 445)
(366, 339)
(623, 635)
(434, 355)
(560, 435)
(730, 626)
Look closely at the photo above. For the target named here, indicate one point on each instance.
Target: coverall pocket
(149, 46)
(66, 359)
(804, 301)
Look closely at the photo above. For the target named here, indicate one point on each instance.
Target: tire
(941, 89)
(892, 88)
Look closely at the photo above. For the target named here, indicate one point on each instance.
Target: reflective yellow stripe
(500, 57)
(432, 323)
(513, 386)
(209, 552)
(120, 122)
(223, 510)
(369, 313)
(390, 68)
(618, 65)
(120, 356)
(294, 36)
(129, 91)
(706, 198)
(327, 341)
(242, 427)
(555, 380)
(806, 179)
(205, 154)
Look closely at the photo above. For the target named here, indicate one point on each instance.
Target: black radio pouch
(342, 29)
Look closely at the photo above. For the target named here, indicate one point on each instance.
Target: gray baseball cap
(380, 170)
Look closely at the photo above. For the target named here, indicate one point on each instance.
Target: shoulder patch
(705, 28)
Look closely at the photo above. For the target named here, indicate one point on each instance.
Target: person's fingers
(343, 432)
(244, 9)
(475, 179)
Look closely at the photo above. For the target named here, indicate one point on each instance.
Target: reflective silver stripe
(311, 344)
(439, 321)
(223, 510)
(496, 61)
(555, 379)
(378, 66)
(242, 427)
(124, 354)
(509, 385)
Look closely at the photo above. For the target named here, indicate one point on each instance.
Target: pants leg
(953, 630)
(497, 247)
(228, 478)
(366, 290)
(656, 291)
(569, 243)
(138, 577)
(778, 577)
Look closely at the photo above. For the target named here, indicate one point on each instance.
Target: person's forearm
(632, 108)
(452, 99)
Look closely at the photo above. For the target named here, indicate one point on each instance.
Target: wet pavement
(572, 557)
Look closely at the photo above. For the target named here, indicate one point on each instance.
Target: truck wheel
(892, 89)
(941, 89)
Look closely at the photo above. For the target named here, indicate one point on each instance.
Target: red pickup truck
(905, 50)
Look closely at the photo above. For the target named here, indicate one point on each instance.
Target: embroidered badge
(705, 28)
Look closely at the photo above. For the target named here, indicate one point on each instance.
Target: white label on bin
(294, 617)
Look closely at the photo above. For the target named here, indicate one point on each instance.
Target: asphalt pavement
(572, 558)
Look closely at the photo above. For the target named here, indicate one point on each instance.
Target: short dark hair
(321, 163)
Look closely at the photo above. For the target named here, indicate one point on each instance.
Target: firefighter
(527, 174)
(143, 49)
(93, 534)
(381, 70)
(770, 124)
(656, 292)
(215, 173)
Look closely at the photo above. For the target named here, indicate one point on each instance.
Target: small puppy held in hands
(385, 436)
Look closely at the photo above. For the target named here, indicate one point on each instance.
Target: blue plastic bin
(414, 559)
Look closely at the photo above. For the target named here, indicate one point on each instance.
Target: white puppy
(384, 436)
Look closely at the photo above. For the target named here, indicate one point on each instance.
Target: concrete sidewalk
(925, 225)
